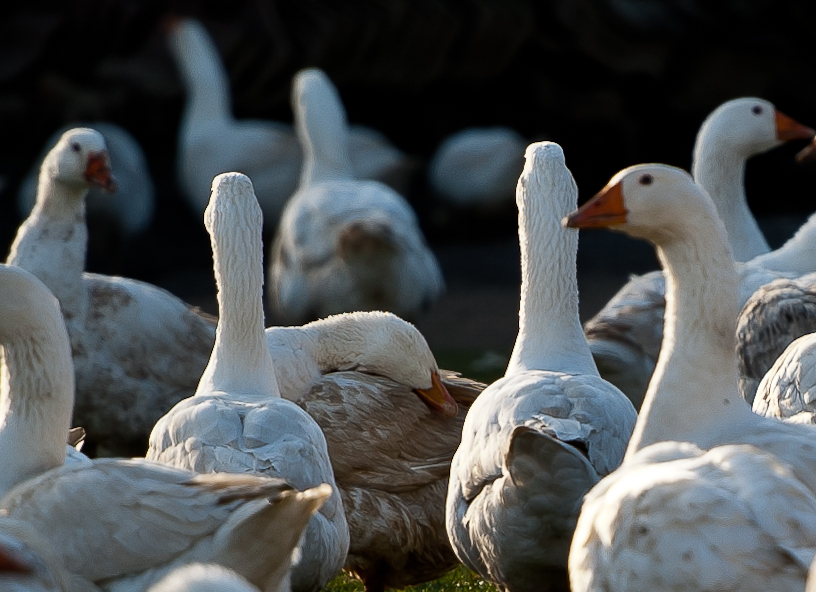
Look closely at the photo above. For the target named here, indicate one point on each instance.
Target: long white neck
(53, 241)
(693, 391)
(240, 363)
(550, 336)
(322, 130)
(36, 399)
(203, 72)
(797, 255)
(721, 172)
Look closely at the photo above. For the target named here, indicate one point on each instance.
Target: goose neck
(323, 133)
(204, 75)
(550, 336)
(240, 362)
(36, 400)
(796, 255)
(721, 172)
(693, 391)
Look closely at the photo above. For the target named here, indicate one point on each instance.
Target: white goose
(237, 421)
(212, 141)
(26, 562)
(133, 205)
(631, 535)
(137, 349)
(625, 335)
(788, 390)
(344, 244)
(535, 441)
(477, 166)
(134, 518)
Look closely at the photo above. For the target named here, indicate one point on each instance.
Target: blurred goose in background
(237, 421)
(138, 520)
(747, 518)
(137, 348)
(200, 577)
(344, 244)
(625, 335)
(477, 166)
(211, 141)
(132, 207)
(538, 439)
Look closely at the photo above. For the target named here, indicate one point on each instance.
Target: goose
(391, 455)
(120, 510)
(200, 577)
(625, 335)
(693, 399)
(133, 205)
(772, 318)
(477, 166)
(536, 440)
(344, 244)
(211, 141)
(26, 562)
(237, 421)
(138, 520)
(137, 348)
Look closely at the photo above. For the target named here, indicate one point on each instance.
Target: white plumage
(344, 244)
(237, 421)
(535, 441)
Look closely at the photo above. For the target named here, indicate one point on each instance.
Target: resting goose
(211, 141)
(137, 349)
(344, 244)
(237, 421)
(625, 335)
(741, 527)
(133, 205)
(535, 441)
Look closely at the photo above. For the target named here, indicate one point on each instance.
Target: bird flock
(667, 444)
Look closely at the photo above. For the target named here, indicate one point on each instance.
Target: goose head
(750, 126)
(393, 347)
(642, 202)
(80, 159)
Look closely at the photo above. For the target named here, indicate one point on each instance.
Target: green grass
(460, 579)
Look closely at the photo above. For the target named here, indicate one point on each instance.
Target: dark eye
(645, 179)
(75, 147)
(756, 110)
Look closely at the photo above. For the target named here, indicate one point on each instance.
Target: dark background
(615, 82)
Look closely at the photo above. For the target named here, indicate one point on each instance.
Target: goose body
(237, 421)
(625, 335)
(137, 348)
(535, 441)
(132, 207)
(138, 520)
(344, 244)
(788, 390)
(628, 534)
(477, 166)
(212, 141)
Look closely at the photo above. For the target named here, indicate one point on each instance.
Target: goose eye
(645, 179)
(75, 147)
(756, 110)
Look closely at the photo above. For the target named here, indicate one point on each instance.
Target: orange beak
(98, 171)
(438, 398)
(604, 209)
(807, 153)
(788, 129)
